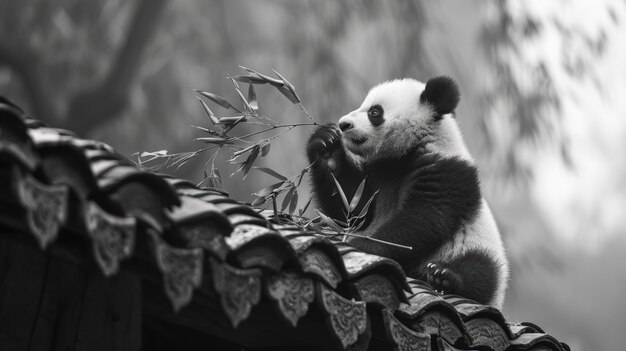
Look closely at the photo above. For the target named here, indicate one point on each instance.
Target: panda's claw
(442, 279)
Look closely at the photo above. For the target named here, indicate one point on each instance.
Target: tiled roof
(223, 266)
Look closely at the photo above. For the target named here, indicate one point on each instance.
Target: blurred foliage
(532, 73)
(125, 72)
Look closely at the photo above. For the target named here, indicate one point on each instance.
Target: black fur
(378, 119)
(424, 201)
(471, 275)
(442, 93)
(324, 144)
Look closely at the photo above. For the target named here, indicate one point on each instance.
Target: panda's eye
(375, 115)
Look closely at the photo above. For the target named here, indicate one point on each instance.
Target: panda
(405, 139)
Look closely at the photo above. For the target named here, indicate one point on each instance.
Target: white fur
(408, 122)
(402, 111)
(481, 234)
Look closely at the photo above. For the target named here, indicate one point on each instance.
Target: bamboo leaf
(291, 90)
(268, 190)
(271, 172)
(249, 79)
(302, 173)
(367, 206)
(209, 112)
(252, 100)
(315, 227)
(329, 222)
(341, 193)
(265, 149)
(214, 181)
(250, 160)
(218, 100)
(267, 79)
(357, 195)
(207, 130)
(232, 120)
(306, 206)
(294, 202)
(214, 140)
(241, 165)
(217, 174)
(258, 201)
(287, 199)
(341, 223)
(153, 153)
(243, 100)
(286, 186)
(358, 226)
(288, 94)
(237, 153)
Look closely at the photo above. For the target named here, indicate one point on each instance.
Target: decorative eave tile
(378, 289)
(404, 338)
(181, 269)
(486, 332)
(45, 205)
(347, 319)
(292, 293)
(112, 237)
(239, 290)
(318, 263)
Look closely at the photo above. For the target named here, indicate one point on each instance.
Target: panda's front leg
(324, 147)
(327, 156)
(473, 275)
(442, 278)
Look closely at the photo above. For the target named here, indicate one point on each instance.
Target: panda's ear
(442, 93)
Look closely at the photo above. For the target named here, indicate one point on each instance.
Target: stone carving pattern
(293, 294)
(46, 207)
(375, 288)
(113, 238)
(435, 322)
(212, 242)
(405, 338)
(487, 332)
(318, 263)
(348, 319)
(239, 290)
(181, 268)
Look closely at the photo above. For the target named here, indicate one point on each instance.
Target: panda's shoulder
(432, 172)
(421, 161)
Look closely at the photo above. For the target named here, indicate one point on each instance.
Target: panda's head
(401, 115)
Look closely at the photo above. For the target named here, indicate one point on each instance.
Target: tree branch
(89, 109)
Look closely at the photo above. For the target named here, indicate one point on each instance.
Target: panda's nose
(345, 126)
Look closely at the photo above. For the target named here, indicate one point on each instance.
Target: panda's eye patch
(375, 115)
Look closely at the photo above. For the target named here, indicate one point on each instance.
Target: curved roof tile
(251, 274)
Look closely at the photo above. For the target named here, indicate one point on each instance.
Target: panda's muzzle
(354, 137)
(345, 126)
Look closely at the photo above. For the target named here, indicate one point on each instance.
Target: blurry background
(543, 108)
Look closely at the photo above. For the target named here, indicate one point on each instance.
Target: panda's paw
(324, 141)
(442, 278)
